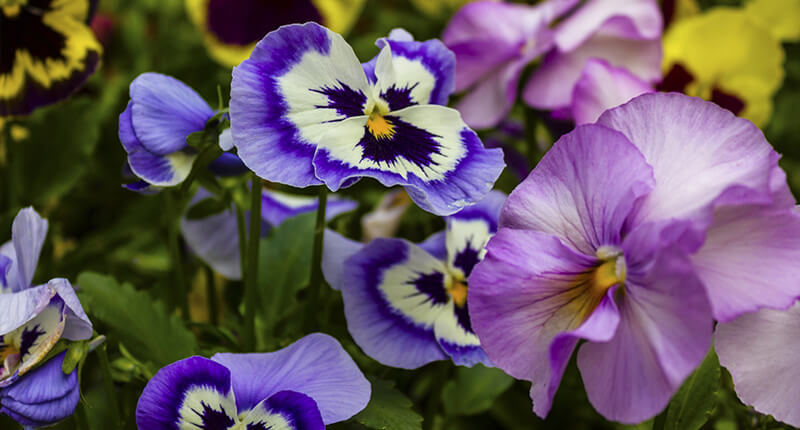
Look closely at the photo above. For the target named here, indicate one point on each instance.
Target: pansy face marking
(24, 347)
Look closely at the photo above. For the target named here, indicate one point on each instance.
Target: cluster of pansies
(658, 225)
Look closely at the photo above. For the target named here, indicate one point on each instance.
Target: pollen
(458, 290)
(379, 126)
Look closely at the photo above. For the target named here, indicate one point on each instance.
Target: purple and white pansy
(305, 111)
(305, 386)
(32, 320)
(634, 234)
(406, 304)
(161, 114)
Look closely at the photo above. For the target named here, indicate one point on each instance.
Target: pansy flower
(305, 386)
(761, 350)
(304, 112)
(602, 87)
(634, 234)
(161, 114)
(47, 52)
(231, 28)
(406, 304)
(32, 320)
(215, 239)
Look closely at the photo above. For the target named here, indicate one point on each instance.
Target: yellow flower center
(592, 285)
(379, 126)
(458, 291)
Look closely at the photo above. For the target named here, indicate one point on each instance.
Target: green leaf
(691, 406)
(196, 140)
(388, 409)
(283, 266)
(133, 318)
(474, 389)
(76, 352)
(207, 207)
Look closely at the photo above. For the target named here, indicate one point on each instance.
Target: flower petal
(315, 365)
(277, 206)
(298, 83)
(19, 308)
(582, 190)
(701, 155)
(454, 333)
(78, 326)
(761, 352)
(164, 111)
(601, 87)
(285, 410)
(337, 249)
(215, 239)
(32, 341)
(191, 393)
(468, 230)
(393, 293)
(430, 151)
(630, 19)
(27, 236)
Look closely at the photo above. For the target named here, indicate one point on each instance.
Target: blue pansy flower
(32, 320)
(161, 114)
(406, 304)
(305, 112)
(305, 386)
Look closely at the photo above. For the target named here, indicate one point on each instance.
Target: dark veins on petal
(412, 143)
(243, 22)
(347, 101)
(213, 419)
(432, 285)
(399, 98)
(29, 337)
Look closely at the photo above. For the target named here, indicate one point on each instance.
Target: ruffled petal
(761, 352)
(491, 99)
(393, 293)
(28, 344)
(701, 154)
(164, 111)
(285, 410)
(299, 82)
(78, 326)
(629, 19)
(428, 149)
(276, 206)
(468, 230)
(19, 308)
(315, 365)
(336, 250)
(582, 190)
(27, 236)
(191, 393)
(603, 87)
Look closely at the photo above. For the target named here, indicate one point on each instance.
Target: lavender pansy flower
(406, 304)
(602, 87)
(215, 239)
(161, 114)
(625, 33)
(303, 100)
(32, 320)
(762, 353)
(493, 42)
(634, 234)
(305, 386)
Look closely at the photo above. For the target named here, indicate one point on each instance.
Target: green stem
(180, 291)
(241, 228)
(251, 268)
(211, 295)
(315, 282)
(108, 384)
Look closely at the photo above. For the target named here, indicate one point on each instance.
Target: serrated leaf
(388, 409)
(207, 207)
(135, 319)
(474, 389)
(691, 406)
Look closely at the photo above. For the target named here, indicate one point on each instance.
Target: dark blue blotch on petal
(299, 410)
(432, 285)
(399, 98)
(466, 259)
(345, 100)
(407, 141)
(213, 419)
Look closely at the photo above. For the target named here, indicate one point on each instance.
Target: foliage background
(66, 161)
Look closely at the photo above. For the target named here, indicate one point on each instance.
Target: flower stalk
(315, 282)
(250, 274)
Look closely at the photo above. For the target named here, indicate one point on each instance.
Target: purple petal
(603, 87)
(189, 393)
(393, 293)
(436, 245)
(34, 339)
(336, 250)
(78, 326)
(749, 260)
(630, 19)
(43, 397)
(19, 308)
(276, 206)
(164, 111)
(287, 410)
(279, 114)
(227, 164)
(468, 231)
(315, 365)
(215, 239)
(582, 190)
(455, 336)
(490, 100)
(27, 234)
(761, 352)
(701, 154)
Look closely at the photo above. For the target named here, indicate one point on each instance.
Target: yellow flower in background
(47, 51)
(730, 56)
(231, 28)
(438, 7)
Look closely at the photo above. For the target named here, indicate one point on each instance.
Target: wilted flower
(406, 304)
(32, 320)
(304, 112)
(161, 114)
(634, 234)
(305, 386)
(231, 28)
(384, 220)
(48, 52)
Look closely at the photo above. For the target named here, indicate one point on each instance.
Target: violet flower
(32, 320)
(305, 386)
(305, 112)
(161, 114)
(406, 304)
(634, 234)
